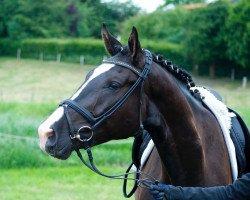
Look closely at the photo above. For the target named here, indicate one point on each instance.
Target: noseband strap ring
(78, 136)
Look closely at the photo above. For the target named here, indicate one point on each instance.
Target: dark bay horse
(192, 150)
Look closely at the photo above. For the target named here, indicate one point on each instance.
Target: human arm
(239, 190)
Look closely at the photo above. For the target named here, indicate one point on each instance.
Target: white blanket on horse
(223, 116)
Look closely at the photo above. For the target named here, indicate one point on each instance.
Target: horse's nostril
(49, 133)
(44, 134)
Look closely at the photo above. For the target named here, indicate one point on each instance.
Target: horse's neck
(177, 141)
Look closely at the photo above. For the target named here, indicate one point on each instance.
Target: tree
(27, 18)
(112, 13)
(159, 25)
(7, 10)
(238, 34)
(62, 18)
(204, 43)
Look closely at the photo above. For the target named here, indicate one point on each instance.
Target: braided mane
(179, 73)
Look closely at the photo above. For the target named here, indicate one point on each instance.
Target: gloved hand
(158, 191)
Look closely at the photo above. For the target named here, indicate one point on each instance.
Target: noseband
(96, 122)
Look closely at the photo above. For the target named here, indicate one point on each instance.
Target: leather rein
(98, 121)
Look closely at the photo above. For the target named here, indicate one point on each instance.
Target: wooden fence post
(82, 60)
(233, 74)
(41, 56)
(212, 71)
(58, 57)
(244, 82)
(18, 54)
(196, 69)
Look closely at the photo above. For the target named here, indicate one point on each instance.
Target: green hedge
(71, 49)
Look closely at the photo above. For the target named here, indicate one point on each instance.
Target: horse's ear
(135, 46)
(112, 45)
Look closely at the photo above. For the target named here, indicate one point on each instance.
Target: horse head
(104, 107)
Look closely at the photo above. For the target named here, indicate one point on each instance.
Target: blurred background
(46, 49)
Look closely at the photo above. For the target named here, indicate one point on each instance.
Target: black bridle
(98, 121)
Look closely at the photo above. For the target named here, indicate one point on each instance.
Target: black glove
(158, 191)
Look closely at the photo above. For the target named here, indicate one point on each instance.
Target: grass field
(74, 183)
(35, 81)
(30, 90)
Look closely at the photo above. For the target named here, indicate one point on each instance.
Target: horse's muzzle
(44, 135)
(51, 143)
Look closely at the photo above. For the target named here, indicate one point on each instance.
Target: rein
(98, 121)
(146, 182)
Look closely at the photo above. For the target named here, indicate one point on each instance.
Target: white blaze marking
(98, 71)
(44, 128)
(55, 116)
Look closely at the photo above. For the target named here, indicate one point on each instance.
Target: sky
(147, 5)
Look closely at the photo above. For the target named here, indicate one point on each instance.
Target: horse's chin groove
(62, 154)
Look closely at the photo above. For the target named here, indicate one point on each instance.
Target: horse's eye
(115, 85)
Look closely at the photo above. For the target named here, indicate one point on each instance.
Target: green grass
(74, 183)
(22, 153)
(37, 81)
(23, 118)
